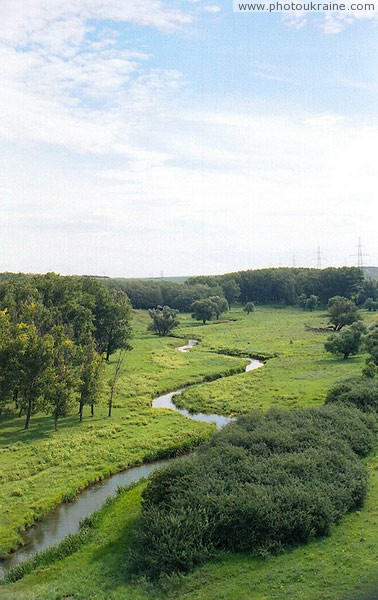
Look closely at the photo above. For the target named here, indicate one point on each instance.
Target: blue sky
(147, 136)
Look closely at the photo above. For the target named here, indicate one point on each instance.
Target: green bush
(262, 483)
(360, 392)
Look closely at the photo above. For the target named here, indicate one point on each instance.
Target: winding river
(66, 518)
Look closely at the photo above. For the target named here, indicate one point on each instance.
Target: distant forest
(278, 286)
(275, 286)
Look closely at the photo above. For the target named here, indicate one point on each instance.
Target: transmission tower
(319, 259)
(360, 255)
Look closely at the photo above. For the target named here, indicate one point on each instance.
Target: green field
(41, 467)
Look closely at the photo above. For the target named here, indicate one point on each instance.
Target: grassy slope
(353, 545)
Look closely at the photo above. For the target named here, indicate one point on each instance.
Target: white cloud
(243, 189)
(212, 8)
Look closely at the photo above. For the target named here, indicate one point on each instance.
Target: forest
(280, 286)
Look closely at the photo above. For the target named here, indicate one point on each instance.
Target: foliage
(370, 304)
(260, 484)
(249, 307)
(309, 303)
(341, 312)
(89, 387)
(371, 343)
(231, 290)
(164, 319)
(285, 285)
(61, 378)
(347, 341)
(220, 305)
(48, 323)
(265, 286)
(361, 392)
(203, 310)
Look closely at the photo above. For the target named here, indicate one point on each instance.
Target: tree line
(283, 286)
(55, 333)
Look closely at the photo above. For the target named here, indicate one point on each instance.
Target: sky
(149, 137)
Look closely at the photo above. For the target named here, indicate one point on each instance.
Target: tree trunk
(15, 397)
(111, 402)
(92, 410)
(29, 412)
(81, 411)
(55, 422)
(346, 355)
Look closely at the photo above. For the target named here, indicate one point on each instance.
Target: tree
(370, 304)
(311, 303)
(342, 312)
(89, 382)
(163, 320)
(112, 320)
(61, 377)
(203, 310)
(114, 380)
(346, 342)
(371, 343)
(220, 305)
(231, 291)
(249, 307)
(25, 357)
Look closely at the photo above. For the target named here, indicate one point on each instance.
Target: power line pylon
(319, 259)
(360, 255)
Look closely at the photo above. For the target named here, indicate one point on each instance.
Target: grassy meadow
(40, 467)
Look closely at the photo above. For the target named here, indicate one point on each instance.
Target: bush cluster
(263, 482)
(361, 392)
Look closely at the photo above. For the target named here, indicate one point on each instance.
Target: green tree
(231, 291)
(370, 304)
(114, 380)
(371, 343)
(164, 319)
(346, 342)
(61, 377)
(25, 357)
(89, 378)
(249, 307)
(112, 320)
(311, 303)
(220, 305)
(203, 310)
(342, 312)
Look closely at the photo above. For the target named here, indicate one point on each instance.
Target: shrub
(263, 482)
(360, 392)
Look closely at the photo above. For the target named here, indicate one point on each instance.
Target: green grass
(41, 467)
(299, 375)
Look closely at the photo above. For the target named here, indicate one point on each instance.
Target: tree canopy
(53, 332)
(341, 312)
(163, 320)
